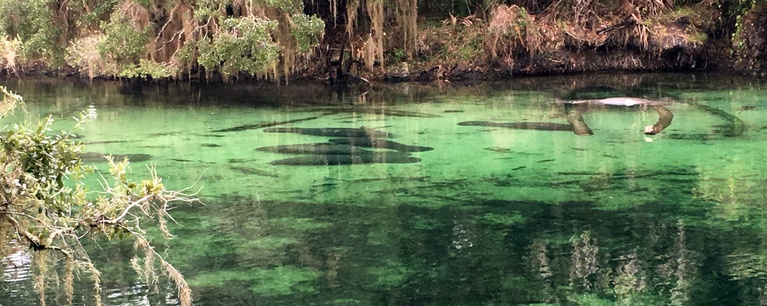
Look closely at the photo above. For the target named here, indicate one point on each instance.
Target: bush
(44, 204)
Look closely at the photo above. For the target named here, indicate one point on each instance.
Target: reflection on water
(16, 265)
(133, 295)
(420, 195)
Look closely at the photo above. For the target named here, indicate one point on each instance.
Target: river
(452, 205)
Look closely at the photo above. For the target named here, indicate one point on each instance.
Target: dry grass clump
(457, 40)
(9, 53)
(83, 54)
(511, 33)
(557, 35)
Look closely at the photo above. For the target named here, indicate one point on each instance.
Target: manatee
(617, 101)
(330, 160)
(664, 120)
(574, 115)
(575, 110)
(376, 111)
(379, 143)
(262, 125)
(331, 132)
(252, 171)
(541, 126)
(696, 137)
(313, 148)
(735, 126)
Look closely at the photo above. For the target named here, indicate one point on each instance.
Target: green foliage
(94, 13)
(147, 69)
(398, 55)
(123, 42)
(590, 299)
(470, 50)
(45, 204)
(32, 22)
(37, 165)
(744, 40)
(207, 9)
(63, 33)
(186, 54)
(244, 44)
(307, 30)
(289, 6)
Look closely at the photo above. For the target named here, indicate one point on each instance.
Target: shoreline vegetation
(351, 42)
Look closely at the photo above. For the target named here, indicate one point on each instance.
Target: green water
(490, 216)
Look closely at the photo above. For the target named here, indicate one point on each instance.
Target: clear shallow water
(490, 216)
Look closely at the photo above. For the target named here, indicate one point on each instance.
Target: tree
(158, 38)
(44, 204)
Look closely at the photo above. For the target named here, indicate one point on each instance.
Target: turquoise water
(480, 215)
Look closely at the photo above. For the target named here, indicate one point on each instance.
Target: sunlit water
(489, 216)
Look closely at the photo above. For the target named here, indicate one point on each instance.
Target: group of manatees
(365, 145)
(348, 146)
(575, 109)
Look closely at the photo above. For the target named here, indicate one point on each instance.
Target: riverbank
(426, 44)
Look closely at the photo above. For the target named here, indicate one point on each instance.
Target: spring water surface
(440, 212)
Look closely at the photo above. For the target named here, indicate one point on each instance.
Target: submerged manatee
(378, 143)
(576, 108)
(331, 132)
(541, 126)
(262, 125)
(574, 115)
(313, 148)
(735, 126)
(664, 120)
(331, 160)
(617, 101)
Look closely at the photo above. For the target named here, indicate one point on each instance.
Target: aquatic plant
(393, 274)
(283, 280)
(300, 224)
(502, 219)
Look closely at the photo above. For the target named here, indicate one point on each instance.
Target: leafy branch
(44, 204)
